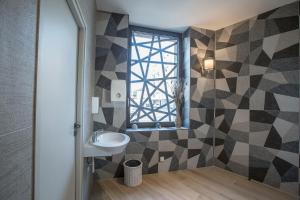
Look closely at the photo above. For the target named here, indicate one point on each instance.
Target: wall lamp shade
(208, 64)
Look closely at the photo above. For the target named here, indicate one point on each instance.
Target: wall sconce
(208, 64)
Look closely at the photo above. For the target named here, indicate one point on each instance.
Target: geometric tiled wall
(274, 98)
(148, 146)
(257, 104)
(182, 148)
(202, 95)
(244, 118)
(111, 64)
(232, 98)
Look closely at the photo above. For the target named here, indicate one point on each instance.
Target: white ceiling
(176, 15)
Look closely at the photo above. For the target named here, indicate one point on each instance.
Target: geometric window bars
(153, 73)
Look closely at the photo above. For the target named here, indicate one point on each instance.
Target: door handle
(76, 126)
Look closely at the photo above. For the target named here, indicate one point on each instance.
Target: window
(153, 71)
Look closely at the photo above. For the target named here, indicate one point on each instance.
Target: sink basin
(111, 142)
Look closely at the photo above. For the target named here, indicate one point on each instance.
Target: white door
(56, 102)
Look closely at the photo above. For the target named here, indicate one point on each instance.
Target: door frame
(80, 93)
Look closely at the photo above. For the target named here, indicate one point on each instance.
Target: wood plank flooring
(209, 183)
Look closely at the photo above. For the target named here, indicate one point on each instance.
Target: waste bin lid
(132, 163)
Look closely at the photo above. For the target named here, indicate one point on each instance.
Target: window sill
(156, 129)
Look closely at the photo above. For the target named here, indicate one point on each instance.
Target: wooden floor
(210, 183)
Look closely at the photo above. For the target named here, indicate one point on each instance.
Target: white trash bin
(132, 172)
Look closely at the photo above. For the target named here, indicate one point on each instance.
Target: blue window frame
(153, 71)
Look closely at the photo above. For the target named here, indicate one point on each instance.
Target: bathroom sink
(111, 142)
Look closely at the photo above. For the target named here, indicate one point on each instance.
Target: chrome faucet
(96, 134)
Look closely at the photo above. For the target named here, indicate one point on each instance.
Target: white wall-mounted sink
(110, 142)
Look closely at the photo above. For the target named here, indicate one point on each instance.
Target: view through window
(153, 74)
